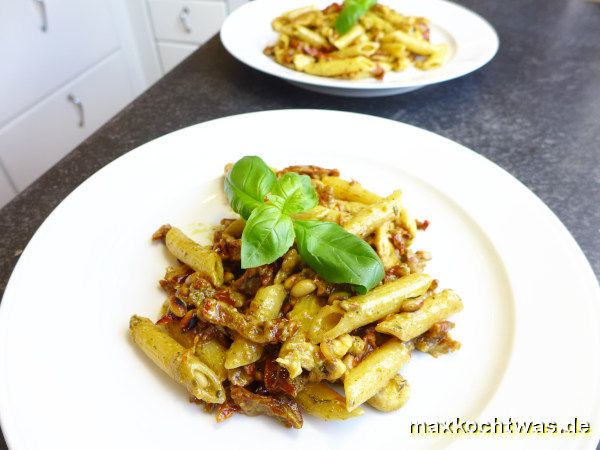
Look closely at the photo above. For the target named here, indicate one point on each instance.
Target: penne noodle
(393, 396)
(408, 325)
(360, 49)
(413, 43)
(375, 215)
(339, 67)
(435, 60)
(321, 401)
(385, 249)
(373, 21)
(301, 62)
(324, 214)
(310, 36)
(295, 13)
(201, 259)
(350, 207)
(261, 332)
(177, 361)
(305, 310)
(374, 372)
(265, 306)
(337, 319)
(345, 40)
(350, 190)
(210, 351)
(408, 223)
(396, 49)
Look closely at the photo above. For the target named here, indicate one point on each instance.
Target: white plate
(70, 378)
(471, 39)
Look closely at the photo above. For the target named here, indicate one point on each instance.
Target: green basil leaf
(268, 234)
(293, 193)
(350, 13)
(247, 184)
(338, 256)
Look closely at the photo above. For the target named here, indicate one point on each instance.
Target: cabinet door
(7, 192)
(187, 21)
(34, 62)
(172, 54)
(36, 140)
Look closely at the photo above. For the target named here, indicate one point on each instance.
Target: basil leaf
(338, 256)
(350, 13)
(247, 184)
(268, 234)
(293, 193)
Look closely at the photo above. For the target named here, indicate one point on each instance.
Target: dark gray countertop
(534, 110)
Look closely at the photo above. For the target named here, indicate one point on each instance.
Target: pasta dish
(382, 40)
(314, 284)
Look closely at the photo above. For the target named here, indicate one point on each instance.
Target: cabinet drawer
(187, 21)
(172, 54)
(36, 140)
(35, 62)
(6, 190)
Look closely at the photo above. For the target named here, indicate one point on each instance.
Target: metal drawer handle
(77, 102)
(44, 14)
(183, 18)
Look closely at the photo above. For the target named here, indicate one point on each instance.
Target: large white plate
(71, 379)
(471, 39)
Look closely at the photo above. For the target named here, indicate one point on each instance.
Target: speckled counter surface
(534, 110)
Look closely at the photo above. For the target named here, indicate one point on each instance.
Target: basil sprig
(267, 203)
(350, 13)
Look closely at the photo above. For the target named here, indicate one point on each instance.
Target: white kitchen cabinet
(44, 44)
(36, 140)
(6, 190)
(180, 26)
(57, 56)
(172, 53)
(187, 21)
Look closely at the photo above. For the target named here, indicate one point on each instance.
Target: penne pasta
(340, 67)
(412, 43)
(408, 325)
(321, 401)
(374, 372)
(367, 220)
(295, 13)
(324, 214)
(393, 396)
(435, 59)
(337, 319)
(177, 361)
(346, 39)
(312, 37)
(350, 190)
(388, 40)
(261, 332)
(271, 336)
(265, 306)
(367, 48)
(385, 249)
(201, 259)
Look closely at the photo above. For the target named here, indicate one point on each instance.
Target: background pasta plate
(472, 43)
(70, 377)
